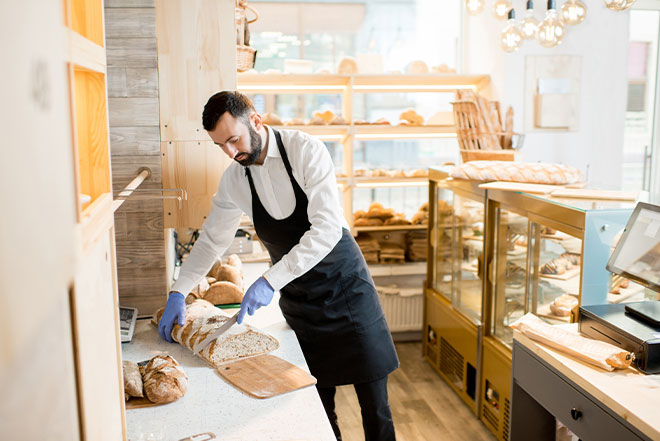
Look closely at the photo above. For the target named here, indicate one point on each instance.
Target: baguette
(202, 318)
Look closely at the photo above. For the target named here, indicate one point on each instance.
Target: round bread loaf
(222, 293)
(231, 274)
(164, 380)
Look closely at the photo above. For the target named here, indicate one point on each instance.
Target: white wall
(602, 42)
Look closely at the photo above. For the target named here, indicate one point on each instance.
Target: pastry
(563, 305)
(418, 67)
(347, 66)
(338, 121)
(164, 380)
(271, 119)
(317, 121)
(412, 117)
(239, 341)
(326, 116)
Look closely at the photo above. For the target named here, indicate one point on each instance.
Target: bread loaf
(271, 119)
(202, 318)
(222, 293)
(132, 379)
(537, 173)
(164, 380)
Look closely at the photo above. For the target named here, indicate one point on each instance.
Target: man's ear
(256, 120)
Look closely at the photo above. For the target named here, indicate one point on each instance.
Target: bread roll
(239, 341)
(164, 380)
(271, 119)
(223, 293)
(347, 66)
(295, 122)
(235, 261)
(359, 214)
(412, 117)
(132, 379)
(317, 121)
(326, 116)
(418, 67)
(382, 121)
(375, 205)
(368, 222)
(338, 121)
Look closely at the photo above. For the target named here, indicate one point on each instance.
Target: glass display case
(453, 299)
(547, 256)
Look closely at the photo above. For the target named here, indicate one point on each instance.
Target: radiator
(403, 307)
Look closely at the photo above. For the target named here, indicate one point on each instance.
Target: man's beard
(255, 146)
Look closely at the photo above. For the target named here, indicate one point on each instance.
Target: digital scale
(127, 319)
(635, 326)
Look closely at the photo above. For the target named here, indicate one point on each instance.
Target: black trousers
(374, 406)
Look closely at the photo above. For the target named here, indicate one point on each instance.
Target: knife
(217, 333)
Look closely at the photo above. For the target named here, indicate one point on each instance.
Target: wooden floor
(424, 407)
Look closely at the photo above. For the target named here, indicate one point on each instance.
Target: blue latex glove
(175, 310)
(259, 294)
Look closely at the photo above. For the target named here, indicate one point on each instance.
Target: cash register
(634, 326)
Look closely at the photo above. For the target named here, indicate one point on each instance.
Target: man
(285, 182)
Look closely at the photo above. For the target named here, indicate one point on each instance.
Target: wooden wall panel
(129, 141)
(196, 166)
(196, 59)
(135, 143)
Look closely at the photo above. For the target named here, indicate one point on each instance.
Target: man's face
(239, 141)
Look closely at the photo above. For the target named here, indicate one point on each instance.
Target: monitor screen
(637, 255)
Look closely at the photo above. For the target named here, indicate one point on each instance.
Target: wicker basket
(245, 55)
(479, 138)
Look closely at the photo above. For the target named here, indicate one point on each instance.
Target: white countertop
(628, 392)
(213, 405)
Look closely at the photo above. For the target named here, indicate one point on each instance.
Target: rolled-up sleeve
(217, 234)
(323, 210)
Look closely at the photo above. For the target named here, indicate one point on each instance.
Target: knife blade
(217, 333)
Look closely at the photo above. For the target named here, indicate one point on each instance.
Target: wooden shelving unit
(347, 86)
(94, 297)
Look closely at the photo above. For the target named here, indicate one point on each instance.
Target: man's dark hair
(238, 105)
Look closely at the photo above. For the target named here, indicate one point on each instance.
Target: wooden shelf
(397, 269)
(367, 182)
(390, 228)
(86, 54)
(360, 83)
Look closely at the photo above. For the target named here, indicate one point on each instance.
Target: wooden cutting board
(265, 376)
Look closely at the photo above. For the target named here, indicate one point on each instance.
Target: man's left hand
(259, 294)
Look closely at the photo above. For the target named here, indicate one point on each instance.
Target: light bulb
(529, 24)
(501, 9)
(551, 30)
(474, 7)
(572, 12)
(511, 37)
(618, 5)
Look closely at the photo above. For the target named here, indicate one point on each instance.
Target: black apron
(333, 308)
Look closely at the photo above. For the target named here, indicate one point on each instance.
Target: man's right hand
(175, 310)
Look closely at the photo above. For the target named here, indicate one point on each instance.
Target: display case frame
(452, 337)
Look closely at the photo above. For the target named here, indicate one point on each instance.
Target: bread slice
(240, 341)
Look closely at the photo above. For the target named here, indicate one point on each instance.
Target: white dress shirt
(312, 169)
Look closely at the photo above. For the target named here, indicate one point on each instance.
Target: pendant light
(551, 30)
(474, 7)
(529, 24)
(511, 37)
(572, 12)
(501, 9)
(618, 5)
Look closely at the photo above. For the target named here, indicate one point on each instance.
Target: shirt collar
(273, 150)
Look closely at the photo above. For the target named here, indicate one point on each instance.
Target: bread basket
(245, 55)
